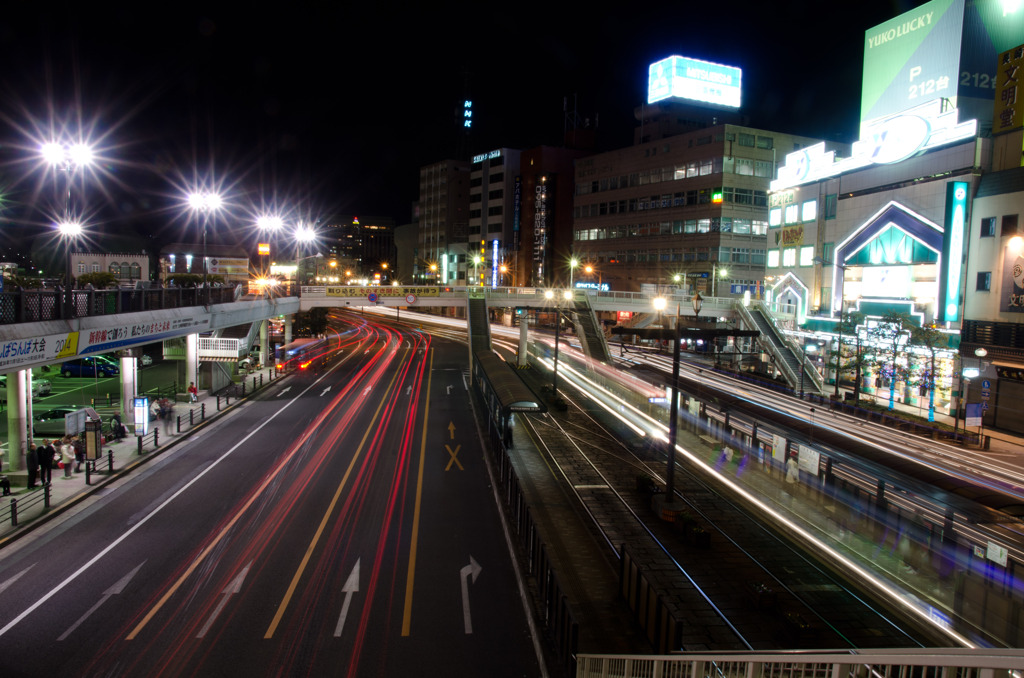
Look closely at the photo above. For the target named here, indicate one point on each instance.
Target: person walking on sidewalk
(193, 392)
(46, 462)
(67, 456)
(167, 414)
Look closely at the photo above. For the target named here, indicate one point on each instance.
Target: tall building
(443, 222)
(364, 246)
(494, 214)
(693, 204)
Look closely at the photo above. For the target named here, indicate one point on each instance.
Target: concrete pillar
(523, 332)
(17, 441)
(129, 385)
(192, 362)
(288, 329)
(265, 356)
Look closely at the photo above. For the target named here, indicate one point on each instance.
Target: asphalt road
(342, 523)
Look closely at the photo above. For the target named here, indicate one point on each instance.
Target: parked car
(51, 422)
(146, 360)
(90, 366)
(40, 388)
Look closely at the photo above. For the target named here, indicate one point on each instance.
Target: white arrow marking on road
(350, 587)
(408, 390)
(449, 389)
(231, 589)
(471, 570)
(366, 391)
(6, 584)
(408, 344)
(117, 588)
(324, 391)
(285, 390)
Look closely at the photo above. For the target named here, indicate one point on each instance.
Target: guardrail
(23, 503)
(36, 305)
(928, 662)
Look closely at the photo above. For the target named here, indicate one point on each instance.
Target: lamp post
(67, 158)
(476, 264)
(715, 272)
(550, 296)
(803, 365)
(573, 263)
(203, 204)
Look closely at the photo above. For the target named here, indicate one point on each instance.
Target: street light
(205, 203)
(715, 273)
(476, 263)
(573, 263)
(67, 158)
(550, 296)
(69, 232)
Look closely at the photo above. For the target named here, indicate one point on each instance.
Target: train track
(739, 584)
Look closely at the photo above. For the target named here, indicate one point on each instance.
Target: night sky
(314, 111)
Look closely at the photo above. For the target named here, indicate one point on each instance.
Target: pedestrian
(46, 462)
(116, 427)
(79, 446)
(792, 471)
(67, 456)
(32, 461)
(5, 485)
(167, 414)
(193, 392)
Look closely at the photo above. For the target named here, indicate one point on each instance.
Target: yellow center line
(327, 514)
(411, 575)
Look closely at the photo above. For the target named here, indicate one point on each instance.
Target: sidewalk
(66, 492)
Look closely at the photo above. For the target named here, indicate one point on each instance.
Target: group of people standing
(67, 453)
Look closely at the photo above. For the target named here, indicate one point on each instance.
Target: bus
(300, 354)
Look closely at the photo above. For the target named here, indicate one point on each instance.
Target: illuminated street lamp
(477, 260)
(67, 158)
(205, 204)
(573, 263)
(715, 274)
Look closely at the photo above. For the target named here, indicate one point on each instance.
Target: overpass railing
(985, 663)
(36, 305)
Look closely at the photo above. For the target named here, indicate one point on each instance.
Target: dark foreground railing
(35, 305)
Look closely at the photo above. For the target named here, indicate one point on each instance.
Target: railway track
(738, 584)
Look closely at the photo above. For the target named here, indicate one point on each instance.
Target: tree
(893, 331)
(840, 363)
(100, 280)
(932, 340)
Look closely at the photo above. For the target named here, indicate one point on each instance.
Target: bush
(100, 280)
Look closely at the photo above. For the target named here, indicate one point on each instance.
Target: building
(494, 206)
(693, 204)
(363, 246)
(229, 262)
(920, 218)
(443, 222)
(127, 268)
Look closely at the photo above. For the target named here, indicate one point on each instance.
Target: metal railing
(36, 305)
(987, 663)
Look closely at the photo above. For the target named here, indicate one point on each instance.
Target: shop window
(984, 282)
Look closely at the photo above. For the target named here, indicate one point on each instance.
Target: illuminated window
(773, 259)
(741, 226)
(807, 256)
(789, 257)
(745, 167)
(705, 167)
(703, 225)
(809, 210)
(762, 169)
(792, 214)
(775, 217)
(759, 227)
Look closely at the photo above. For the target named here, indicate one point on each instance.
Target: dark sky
(331, 109)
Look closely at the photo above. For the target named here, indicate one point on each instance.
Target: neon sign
(885, 141)
(952, 251)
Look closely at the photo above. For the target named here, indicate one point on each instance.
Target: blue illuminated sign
(686, 78)
(494, 263)
(952, 251)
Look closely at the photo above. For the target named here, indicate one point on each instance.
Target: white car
(40, 387)
(146, 360)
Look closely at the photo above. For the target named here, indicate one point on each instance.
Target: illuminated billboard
(912, 59)
(685, 78)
